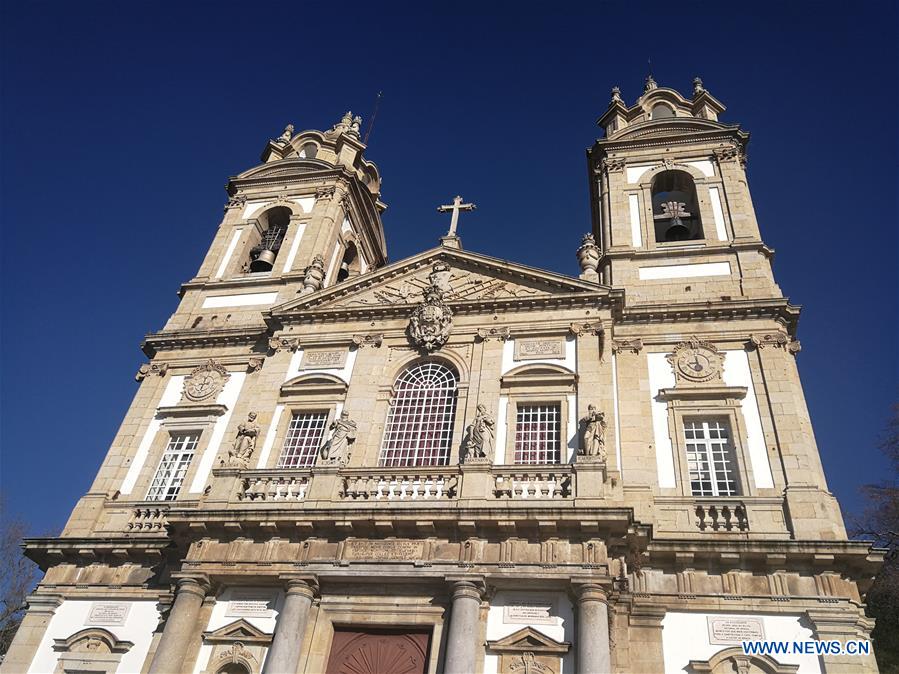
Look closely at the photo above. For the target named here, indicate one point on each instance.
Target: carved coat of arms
(431, 321)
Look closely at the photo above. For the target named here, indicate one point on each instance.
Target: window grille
(304, 438)
(710, 458)
(419, 429)
(537, 434)
(173, 467)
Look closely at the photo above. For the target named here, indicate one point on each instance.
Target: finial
(616, 95)
(697, 86)
(286, 135)
(649, 84)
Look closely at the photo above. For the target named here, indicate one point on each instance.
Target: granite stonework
(609, 559)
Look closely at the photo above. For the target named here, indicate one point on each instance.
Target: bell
(264, 261)
(677, 231)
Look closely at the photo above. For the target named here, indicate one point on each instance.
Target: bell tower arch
(671, 207)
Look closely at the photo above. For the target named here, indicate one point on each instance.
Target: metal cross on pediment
(672, 210)
(455, 207)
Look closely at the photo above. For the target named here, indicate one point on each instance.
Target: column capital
(198, 584)
(306, 585)
(471, 587)
(589, 590)
(44, 603)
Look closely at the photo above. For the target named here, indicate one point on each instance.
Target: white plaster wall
(306, 203)
(569, 361)
(294, 247)
(252, 207)
(502, 431)
(71, 617)
(633, 203)
(685, 637)
(242, 300)
(561, 630)
(228, 398)
(219, 617)
(717, 213)
(706, 167)
(170, 396)
(615, 413)
(344, 373)
(736, 373)
(270, 437)
(635, 172)
(661, 376)
(572, 429)
(232, 244)
(685, 271)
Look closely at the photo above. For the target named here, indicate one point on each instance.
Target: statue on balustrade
(244, 444)
(479, 438)
(594, 435)
(336, 451)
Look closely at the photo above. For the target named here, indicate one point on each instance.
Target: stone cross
(455, 207)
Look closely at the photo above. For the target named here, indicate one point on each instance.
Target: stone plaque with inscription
(323, 359)
(536, 349)
(529, 612)
(110, 613)
(734, 630)
(250, 604)
(386, 550)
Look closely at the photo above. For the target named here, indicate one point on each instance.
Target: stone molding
(148, 369)
(634, 345)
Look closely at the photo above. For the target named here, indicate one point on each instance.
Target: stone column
(464, 628)
(180, 626)
(284, 655)
(592, 638)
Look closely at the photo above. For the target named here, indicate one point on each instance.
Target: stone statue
(479, 440)
(594, 442)
(313, 276)
(244, 444)
(697, 86)
(616, 95)
(355, 126)
(286, 135)
(337, 449)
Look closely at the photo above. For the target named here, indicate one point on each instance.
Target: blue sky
(122, 121)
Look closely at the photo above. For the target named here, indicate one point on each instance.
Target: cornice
(113, 550)
(604, 146)
(166, 340)
(696, 250)
(778, 309)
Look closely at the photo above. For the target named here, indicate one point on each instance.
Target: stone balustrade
(274, 485)
(148, 519)
(533, 482)
(437, 483)
(718, 516)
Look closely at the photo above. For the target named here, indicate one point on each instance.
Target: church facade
(455, 463)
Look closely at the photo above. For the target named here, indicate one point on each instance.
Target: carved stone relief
(624, 345)
(776, 339)
(432, 320)
(276, 344)
(147, 369)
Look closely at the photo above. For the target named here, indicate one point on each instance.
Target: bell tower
(670, 201)
(307, 218)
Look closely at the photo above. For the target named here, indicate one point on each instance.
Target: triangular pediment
(528, 639)
(467, 279)
(240, 630)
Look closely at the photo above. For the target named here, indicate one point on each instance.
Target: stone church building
(453, 463)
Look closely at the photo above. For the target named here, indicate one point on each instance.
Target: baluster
(700, 517)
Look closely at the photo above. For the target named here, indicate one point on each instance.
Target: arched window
(308, 151)
(419, 430)
(662, 111)
(675, 208)
(264, 253)
(349, 265)
(233, 668)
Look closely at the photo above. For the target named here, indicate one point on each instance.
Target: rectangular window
(537, 434)
(710, 458)
(304, 438)
(173, 467)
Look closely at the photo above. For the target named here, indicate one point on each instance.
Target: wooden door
(393, 651)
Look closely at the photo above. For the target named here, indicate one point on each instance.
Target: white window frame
(717, 455)
(177, 460)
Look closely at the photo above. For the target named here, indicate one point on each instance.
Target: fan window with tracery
(419, 429)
